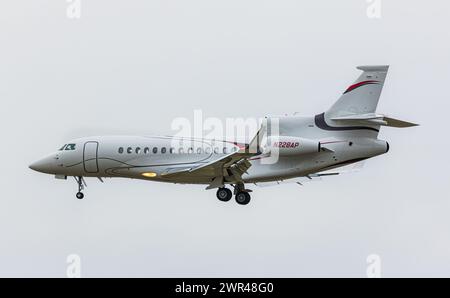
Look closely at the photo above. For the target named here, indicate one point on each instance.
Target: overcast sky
(131, 67)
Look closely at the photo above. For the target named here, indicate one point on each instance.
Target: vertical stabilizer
(362, 96)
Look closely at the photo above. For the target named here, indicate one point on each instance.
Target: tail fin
(361, 97)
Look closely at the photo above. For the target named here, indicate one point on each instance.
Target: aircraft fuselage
(133, 156)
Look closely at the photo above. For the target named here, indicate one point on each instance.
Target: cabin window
(190, 150)
(181, 150)
(70, 147)
(199, 150)
(138, 150)
(216, 150)
(225, 151)
(129, 150)
(208, 150)
(163, 150)
(171, 150)
(155, 150)
(146, 150)
(121, 150)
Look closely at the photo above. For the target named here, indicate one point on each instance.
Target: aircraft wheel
(242, 198)
(80, 195)
(224, 194)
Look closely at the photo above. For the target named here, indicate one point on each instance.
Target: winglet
(254, 147)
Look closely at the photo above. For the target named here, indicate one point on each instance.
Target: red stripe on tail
(360, 84)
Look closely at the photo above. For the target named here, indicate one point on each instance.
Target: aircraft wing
(231, 166)
(354, 167)
(234, 164)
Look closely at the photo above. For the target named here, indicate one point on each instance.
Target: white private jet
(304, 147)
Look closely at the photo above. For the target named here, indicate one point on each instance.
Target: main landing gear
(81, 184)
(224, 194)
(242, 198)
(241, 195)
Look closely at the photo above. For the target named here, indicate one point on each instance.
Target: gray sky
(131, 67)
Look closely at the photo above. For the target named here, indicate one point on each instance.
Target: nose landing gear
(81, 184)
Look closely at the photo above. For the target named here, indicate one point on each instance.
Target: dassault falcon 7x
(305, 147)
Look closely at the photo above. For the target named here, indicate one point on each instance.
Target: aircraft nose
(37, 165)
(44, 165)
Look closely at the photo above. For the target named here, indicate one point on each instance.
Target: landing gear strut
(81, 184)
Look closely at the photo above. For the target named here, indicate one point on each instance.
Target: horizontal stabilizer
(398, 123)
(374, 68)
(373, 119)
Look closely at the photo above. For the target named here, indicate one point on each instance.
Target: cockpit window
(62, 148)
(70, 147)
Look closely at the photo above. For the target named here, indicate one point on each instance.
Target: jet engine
(288, 146)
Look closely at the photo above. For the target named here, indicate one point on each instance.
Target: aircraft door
(90, 160)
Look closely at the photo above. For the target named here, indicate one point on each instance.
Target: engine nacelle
(286, 146)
